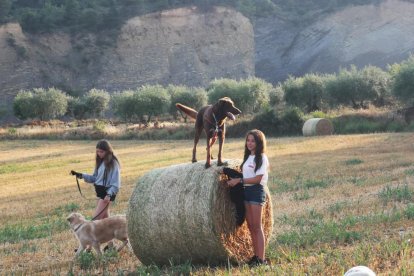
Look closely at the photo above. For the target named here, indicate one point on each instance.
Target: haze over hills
(192, 46)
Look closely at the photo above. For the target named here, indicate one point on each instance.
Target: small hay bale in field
(184, 212)
(317, 126)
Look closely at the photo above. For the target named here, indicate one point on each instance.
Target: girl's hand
(107, 199)
(233, 182)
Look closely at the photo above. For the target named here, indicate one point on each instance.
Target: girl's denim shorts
(254, 194)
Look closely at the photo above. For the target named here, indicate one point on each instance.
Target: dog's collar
(77, 228)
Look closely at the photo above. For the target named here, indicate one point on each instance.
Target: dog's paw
(207, 165)
(194, 160)
(219, 163)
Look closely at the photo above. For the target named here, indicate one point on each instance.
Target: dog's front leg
(196, 138)
(80, 249)
(221, 143)
(97, 247)
(208, 159)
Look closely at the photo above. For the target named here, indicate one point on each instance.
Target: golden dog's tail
(187, 110)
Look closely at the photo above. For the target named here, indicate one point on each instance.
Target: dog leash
(80, 191)
(216, 129)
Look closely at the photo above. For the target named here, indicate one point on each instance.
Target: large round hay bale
(317, 126)
(184, 212)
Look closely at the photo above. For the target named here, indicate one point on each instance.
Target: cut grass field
(338, 201)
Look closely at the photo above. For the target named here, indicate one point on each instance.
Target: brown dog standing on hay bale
(211, 118)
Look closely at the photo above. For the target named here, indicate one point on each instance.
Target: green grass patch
(313, 183)
(86, 260)
(66, 209)
(17, 233)
(337, 207)
(409, 211)
(312, 228)
(322, 232)
(353, 161)
(409, 172)
(14, 168)
(90, 260)
(172, 269)
(277, 185)
(357, 181)
(27, 247)
(399, 193)
(302, 195)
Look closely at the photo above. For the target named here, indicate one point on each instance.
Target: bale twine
(317, 126)
(184, 212)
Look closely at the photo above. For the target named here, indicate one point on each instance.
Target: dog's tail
(187, 110)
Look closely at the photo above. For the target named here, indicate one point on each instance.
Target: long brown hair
(260, 140)
(109, 158)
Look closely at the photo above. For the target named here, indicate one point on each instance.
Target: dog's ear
(220, 103)
(70, 217)
(224, 101)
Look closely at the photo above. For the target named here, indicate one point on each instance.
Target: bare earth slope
(360, 35)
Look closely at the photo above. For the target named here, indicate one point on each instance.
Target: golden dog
(94, 233)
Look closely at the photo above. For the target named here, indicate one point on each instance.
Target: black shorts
(101, 192)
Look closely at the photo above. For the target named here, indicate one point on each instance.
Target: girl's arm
(115, 181)
(252, 180)
(89, 178)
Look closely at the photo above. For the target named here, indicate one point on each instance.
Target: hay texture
(317, 126)
(184, 212)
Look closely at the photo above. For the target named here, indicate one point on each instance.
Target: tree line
(95, 15)
(352, 87)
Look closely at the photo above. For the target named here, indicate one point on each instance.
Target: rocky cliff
(181, 46)
(187, 46)
(361, 35)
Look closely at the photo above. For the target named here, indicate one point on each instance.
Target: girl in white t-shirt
(255, 174)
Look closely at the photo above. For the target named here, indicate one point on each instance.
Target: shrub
(22, 105)
(403, 80)
(96, 102)
(153, 100)
(276, 96)
(377, 82)
(268, 121)
(189, 96)
(287, 122)
(77, 108)
(99, 127)
(291, 121)
(358, 88)
(306, 92)
(40, 103)
(123, 105)
(50, 103)
(249, 95)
